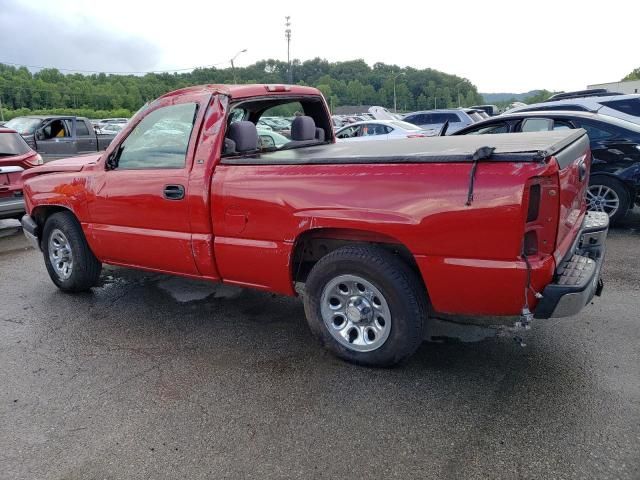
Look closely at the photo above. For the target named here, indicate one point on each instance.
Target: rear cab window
(280, 117)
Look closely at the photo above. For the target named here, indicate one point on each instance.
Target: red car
(15, 157)
(383, 235)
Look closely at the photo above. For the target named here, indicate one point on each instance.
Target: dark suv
(614, 185)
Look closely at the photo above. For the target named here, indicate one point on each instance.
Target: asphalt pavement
(154, 377)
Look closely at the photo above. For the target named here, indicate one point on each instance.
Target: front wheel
(366, 305)
(70, 262)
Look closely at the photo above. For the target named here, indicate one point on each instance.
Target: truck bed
(516, 147)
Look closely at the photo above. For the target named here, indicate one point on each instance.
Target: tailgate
(574, 162)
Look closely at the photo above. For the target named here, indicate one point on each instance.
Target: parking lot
(154, 377)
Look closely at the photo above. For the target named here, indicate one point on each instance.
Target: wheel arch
(313, 244)
(41, 213)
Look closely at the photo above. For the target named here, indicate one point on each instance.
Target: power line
(112, 73)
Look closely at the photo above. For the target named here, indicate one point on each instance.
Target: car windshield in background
(405, 125)
(22, 125)
(12, 144)
(630, 106)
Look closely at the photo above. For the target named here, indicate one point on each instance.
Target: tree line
(342, 83)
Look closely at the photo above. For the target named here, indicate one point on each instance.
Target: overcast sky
(501, 46)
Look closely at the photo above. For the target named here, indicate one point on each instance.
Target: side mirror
(40, 134)
(537, 125)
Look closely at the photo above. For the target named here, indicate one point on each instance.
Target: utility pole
(287, 34)
(233, 67)
(395, 106)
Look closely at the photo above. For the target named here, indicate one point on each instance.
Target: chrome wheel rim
(60, 254)
(603, 199)
(355, 313)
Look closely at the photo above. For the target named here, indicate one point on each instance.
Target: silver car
(624, 107)
(435, 119)
(379, 130)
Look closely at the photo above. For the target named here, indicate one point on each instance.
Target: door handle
(174, 192)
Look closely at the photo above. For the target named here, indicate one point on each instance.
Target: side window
(596, 132)
(81, 129)
(562, 125)
(237, 115)
(425, 119)
(348, 132)
(630, 106)
(536, 125)
(56, 129)
(488, 129)
(374, 129)
(160, 140)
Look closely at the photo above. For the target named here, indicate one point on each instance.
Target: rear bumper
(11, 206)
(577, 278)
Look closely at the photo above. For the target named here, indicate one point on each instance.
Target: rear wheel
(70, 262)
(366, 305)
(608, 195)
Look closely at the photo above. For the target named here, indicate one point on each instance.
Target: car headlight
(37, 160)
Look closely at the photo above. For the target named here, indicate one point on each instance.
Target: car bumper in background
(577, 278)
(11, 206)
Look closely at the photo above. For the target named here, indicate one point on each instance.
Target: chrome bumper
(577, 278)
(11, 206)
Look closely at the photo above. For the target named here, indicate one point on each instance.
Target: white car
(380, 130)
(270, 139)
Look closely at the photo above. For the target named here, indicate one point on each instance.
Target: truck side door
(85, 137)
(140, 211)
(55, 139)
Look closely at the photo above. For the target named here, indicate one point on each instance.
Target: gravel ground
(151, 376)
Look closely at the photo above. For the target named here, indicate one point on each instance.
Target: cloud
(31, 36)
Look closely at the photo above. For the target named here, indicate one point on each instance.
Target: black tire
(85, 272)
(402, 290)
(619, 189)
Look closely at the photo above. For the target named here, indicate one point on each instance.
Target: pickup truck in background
(59, 136)
(380, 236)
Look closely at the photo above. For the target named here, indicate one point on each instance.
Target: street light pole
(233, 67)
(458, 90)
(395, 105)
(287, 35)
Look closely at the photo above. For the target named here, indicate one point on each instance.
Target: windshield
(23, 125)
(12, 144)
(405, 125)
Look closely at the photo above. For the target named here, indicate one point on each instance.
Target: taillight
(530, 243)
(534, 203)
(541, 220)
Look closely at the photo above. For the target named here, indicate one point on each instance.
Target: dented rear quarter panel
(260, 211)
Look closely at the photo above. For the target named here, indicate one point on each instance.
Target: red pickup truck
(383, 235)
